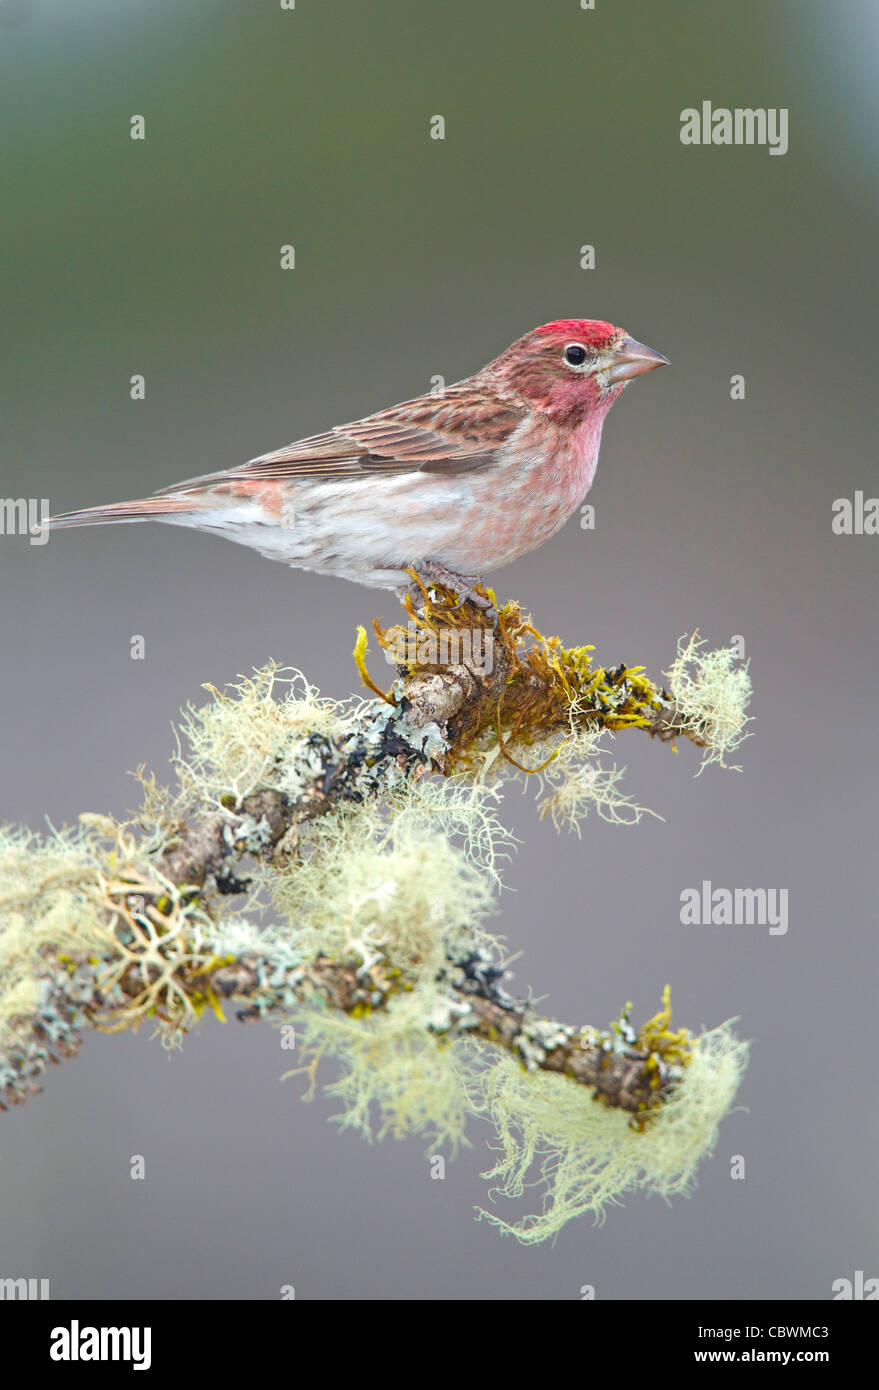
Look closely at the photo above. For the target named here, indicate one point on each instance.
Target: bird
(453, 484)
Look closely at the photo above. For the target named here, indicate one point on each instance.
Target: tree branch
(440, 716)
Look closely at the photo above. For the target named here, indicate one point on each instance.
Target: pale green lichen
(50, 894)
(588, 1155)
(375, 885)
(464, 812)
(391, 888)
(396, 1078)
(578, 789)
(238, 741)
(711, 693)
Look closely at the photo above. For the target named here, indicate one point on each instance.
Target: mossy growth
(391, 883)
(548, 689)
(543, 708)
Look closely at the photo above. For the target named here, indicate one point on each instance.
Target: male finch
(453, 485)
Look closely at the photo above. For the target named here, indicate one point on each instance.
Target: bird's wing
(459, 429)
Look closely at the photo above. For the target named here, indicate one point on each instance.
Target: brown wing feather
(144, 509)
(460, 429)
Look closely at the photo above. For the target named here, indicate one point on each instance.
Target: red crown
(593, 332)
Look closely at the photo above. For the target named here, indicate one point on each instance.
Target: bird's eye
(575, 354)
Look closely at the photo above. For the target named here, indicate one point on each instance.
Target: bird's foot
(468, 587)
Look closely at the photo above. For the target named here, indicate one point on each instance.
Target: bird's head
(571, 367)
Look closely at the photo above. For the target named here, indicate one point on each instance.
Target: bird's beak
(633, 359)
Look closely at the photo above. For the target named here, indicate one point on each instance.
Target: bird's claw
(480, 601)
(464, 585)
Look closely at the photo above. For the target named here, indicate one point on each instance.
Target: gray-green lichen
(378, 881)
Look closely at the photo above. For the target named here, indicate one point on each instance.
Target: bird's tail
(145, 509)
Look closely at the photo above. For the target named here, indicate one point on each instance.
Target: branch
(118, 922)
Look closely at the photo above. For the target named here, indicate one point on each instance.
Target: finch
(453, 485)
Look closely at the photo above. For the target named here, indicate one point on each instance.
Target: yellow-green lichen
(586, 1156)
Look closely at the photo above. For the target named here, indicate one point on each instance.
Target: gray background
(417, 257)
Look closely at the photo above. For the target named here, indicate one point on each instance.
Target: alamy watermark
(735, 907)
(463, 646)
(856, 516)
(13, 1289)
(746, 125)
(77, 1343)
(20, 516)
(858, 1289)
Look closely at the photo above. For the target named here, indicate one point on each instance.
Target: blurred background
(417, 257)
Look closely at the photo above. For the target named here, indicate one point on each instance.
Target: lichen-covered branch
(628, 1070)
(369, 830)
